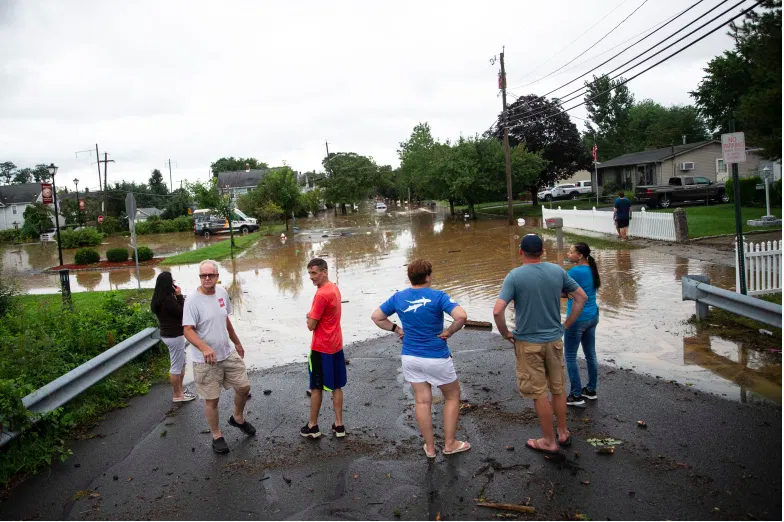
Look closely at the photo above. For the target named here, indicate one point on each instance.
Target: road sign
(733, 147)
(81, 204)
(100, 219)
(760, 186)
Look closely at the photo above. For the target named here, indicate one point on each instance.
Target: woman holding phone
(167, 303)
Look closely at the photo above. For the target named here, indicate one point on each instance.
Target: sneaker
(339, 431)
(246, 427)
(588, 394)
(187, 396)
(571, 400)
(312, 432)
(219, 445)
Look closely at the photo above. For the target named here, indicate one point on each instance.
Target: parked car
(381, 207)
(680, 189)
(566, 191)
(206, 224)
(50, 234)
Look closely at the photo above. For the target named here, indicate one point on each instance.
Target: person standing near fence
(583, 331)
(167, 303)
(622, 214)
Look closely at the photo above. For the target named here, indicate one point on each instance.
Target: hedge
(145, 253)
(80, 238)
(749, 195)
(117, 255)
(86, 256)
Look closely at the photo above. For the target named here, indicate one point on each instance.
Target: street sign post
(130, 209)
(733, 150)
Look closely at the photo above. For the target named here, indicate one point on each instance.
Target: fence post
(737, 270)
(681, 226)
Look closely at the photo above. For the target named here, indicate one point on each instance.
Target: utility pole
(740, 248)
(105, 162)
(98, 162)
(509, 199)
(171, 183)
(329, 164)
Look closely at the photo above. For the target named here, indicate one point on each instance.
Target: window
(13, 209)
(721, 167)
(702, 181)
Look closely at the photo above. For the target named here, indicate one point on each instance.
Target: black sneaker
(339, 431)
(219, 445)
(246, 427)
(313, 432)
(588, 394)
(571, 400)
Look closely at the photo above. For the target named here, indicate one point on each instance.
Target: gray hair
(209, 262)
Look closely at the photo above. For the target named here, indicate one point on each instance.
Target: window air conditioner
(688, 165)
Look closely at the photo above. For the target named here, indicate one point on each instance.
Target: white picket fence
(649, 225)
(763, 268)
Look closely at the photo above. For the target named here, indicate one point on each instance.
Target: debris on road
(508, 507)
(642, 424)
(606, 441)
(606, 450)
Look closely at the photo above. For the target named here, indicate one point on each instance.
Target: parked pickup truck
(566, 191)
(680, 188)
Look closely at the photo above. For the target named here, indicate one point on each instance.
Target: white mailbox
(554, 222)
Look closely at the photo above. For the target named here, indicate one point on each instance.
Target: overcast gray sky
(196, 80)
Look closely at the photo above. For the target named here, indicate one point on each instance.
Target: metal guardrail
(61, 390)
(698, 288)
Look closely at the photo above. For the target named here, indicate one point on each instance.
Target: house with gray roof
(14, 199)
(142, 214)
(239, 182)
(657, 166)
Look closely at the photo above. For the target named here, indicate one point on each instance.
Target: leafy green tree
(37, 218)
(541, 127)
(177, 205)
(7, 169)
(24, 175)
(311, 201)
(349, 177)
(41, 173)
(608, 104)
(157, 185)
(653, 126)
(280, 186)
(232, 164)
(416, 162)
(745, 83)
(207, 195)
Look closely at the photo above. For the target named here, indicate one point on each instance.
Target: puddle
(642, 322)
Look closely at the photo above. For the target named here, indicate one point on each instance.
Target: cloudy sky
(196, 80)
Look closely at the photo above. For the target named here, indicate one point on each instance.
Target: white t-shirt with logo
(207, 314)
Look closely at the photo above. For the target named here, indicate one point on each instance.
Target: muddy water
(642, 318)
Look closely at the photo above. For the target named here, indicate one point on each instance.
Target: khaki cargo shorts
(229, 373)
(539, 368)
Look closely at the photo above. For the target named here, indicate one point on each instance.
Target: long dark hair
(164, 287)
(585, 250)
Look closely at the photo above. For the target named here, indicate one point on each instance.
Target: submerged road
(700, 457)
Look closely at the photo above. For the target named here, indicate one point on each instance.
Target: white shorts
(437, 372)
(176, 353)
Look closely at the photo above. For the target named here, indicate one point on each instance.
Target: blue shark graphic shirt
(421, 310)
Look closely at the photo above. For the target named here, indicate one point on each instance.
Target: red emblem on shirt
(221, 302)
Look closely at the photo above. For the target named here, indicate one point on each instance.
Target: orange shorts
(540, 368)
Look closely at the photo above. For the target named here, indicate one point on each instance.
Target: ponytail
(584, 250)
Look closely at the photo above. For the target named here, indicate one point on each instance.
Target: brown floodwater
(642, 317)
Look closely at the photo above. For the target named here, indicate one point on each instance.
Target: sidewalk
(701, 457)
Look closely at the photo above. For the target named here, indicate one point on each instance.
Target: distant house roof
(149, 211)
(20, 193)
(241, 178)
(653, 156)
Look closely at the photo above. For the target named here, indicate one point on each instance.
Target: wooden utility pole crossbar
(105, 162)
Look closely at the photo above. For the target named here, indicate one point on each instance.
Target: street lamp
(52, 171)
(766, 177)
(78, 207)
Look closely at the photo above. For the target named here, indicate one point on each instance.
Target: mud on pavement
(699, 456)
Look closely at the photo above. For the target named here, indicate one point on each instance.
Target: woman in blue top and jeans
(583, 331)
(426, 358)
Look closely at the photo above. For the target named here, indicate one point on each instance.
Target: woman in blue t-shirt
(583, 331)
(426, 358)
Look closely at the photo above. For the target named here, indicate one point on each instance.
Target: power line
(656, 28)
(570, 43)
(723, 24)
(585, 87)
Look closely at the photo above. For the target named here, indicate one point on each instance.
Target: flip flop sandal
(567, 442)
(464, 446)
(534, 447)
(428, 454)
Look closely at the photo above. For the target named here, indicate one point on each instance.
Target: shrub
(748, 190)
(184, 223)
(110, 224)
(86, 256)
(145, 253)
(7, 293)
(168, 226)
(117, 255)
(8, 236)
(87, 236)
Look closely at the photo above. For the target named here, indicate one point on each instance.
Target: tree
(541, 127)
(7, 169)
(206, 195)
(157, 185)
(231, 164)
(608, 104)
(41, 173)
(653, 126)
(349, 177)
(416, 161)
(745, 83)
(280, 186)
(177, 205)
(37, 218)
(312, 200)
(24, 175)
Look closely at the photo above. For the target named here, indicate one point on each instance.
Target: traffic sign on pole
(733, 147)
(100, 219)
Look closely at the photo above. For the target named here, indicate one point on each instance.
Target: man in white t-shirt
(216, 363)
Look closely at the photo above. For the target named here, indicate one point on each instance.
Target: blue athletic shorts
(327, 371)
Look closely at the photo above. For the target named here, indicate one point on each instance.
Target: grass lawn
(715, 220)
(523, 209)
(83, 300)
(219, 250)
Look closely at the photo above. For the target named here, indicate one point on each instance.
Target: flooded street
(642, 318)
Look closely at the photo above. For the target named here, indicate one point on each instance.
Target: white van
(206, 223)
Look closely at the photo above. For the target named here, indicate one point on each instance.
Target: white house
(14, 199)
(142, 214)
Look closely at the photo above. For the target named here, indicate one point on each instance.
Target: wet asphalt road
(701, 457)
